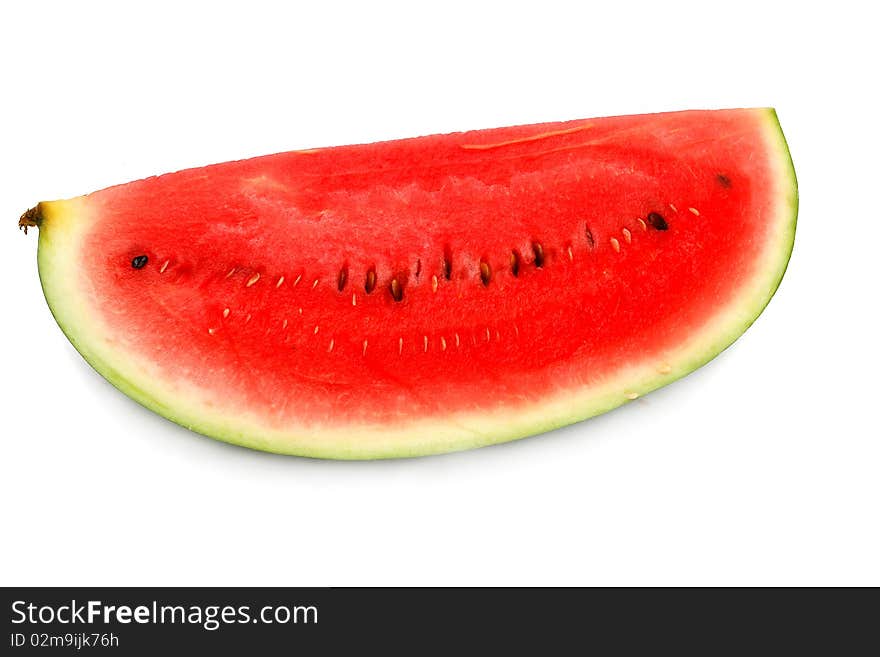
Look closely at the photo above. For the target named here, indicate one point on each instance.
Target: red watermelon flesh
(427, 294)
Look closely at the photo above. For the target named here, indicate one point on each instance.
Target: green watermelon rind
(134, 377)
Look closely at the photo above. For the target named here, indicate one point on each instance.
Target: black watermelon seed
(539, 254)
(343, 278)
(485, 272)
(723, 180)
(656, 220)
(370, 282)
(396, 290)
(514, 263)
(139, 262)
(447, 263)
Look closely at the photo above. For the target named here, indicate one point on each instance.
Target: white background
(761, 468)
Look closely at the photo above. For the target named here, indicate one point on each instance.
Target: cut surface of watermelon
(429, 294)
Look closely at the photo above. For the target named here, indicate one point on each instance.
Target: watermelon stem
(31, 218)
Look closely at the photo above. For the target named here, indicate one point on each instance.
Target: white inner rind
(65, 224)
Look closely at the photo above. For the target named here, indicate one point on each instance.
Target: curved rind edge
(418, 438)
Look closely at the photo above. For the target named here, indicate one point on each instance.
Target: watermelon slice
(426, 295)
